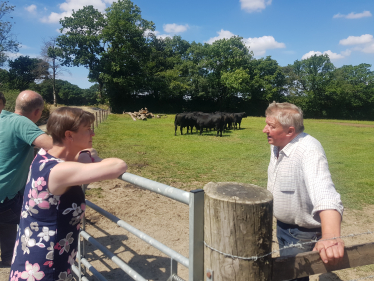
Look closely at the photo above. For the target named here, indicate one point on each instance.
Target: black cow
(207, 120)
(238, 119)
(186, 119)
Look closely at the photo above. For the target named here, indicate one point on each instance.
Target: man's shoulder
(10, 118)
(307, 142)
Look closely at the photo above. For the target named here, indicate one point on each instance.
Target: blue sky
(285, 30)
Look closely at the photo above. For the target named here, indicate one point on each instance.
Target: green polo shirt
(17, 133)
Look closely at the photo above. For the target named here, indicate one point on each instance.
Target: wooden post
(97, 124)
(237, 222)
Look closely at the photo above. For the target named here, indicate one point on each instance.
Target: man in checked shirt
(306, 204)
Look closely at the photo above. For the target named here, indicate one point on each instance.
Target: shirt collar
(290, 146)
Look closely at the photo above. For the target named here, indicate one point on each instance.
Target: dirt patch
(167, 221)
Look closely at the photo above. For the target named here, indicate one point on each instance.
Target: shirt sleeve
(27, 130)
(319, 184)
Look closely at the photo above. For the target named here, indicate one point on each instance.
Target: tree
(8, 43)
(127, 52)
(227, 59)
(50, 53)
(25, 70)
(352, 91)
(310, 79)
(82, 44)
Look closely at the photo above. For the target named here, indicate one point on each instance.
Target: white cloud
(21, 46)
(70, 5)
(355, 40)
(352, 15)
(221, 35)
(157, 33)
(332, 56)
(368, 48)
(13, 56)
(259, 45)
(31, 9)
(364, 43)
(175, 28)
(254, 5)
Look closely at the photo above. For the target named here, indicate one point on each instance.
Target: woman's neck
(63, 153)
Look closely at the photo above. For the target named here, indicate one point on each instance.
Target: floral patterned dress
(47, 238)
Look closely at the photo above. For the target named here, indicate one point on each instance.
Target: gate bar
(131, 272)
(196, 236)
(150, 240)
(160, 188)
(75, 269)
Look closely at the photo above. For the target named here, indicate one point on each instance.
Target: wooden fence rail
(310, 263)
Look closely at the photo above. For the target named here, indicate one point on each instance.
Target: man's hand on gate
(331, 251)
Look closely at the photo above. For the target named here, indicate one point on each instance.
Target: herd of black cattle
(219, 121)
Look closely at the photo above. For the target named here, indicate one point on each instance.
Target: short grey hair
(287, 114)
(29, 104)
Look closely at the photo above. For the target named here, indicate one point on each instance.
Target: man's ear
(291, 131)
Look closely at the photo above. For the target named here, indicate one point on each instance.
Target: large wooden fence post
(237, 222)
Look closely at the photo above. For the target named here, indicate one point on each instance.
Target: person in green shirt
(18, 136)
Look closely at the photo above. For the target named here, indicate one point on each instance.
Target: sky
(285, 30)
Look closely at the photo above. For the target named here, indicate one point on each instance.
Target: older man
(306, 203)
(18, 135)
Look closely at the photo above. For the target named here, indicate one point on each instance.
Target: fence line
(99, 118)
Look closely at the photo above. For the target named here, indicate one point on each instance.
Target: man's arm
(43, 141)
(331, 251)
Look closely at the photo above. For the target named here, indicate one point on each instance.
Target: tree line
(132, 68)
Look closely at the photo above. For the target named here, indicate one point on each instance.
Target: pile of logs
(143, 114)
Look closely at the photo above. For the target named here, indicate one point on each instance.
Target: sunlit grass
(190, 161)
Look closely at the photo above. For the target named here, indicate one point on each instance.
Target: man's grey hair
(287, 114)
(28, 105)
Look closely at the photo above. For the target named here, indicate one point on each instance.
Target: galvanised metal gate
(195, 261)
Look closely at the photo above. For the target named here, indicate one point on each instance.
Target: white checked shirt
(300, 182)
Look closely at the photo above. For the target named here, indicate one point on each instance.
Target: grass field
(190, 161)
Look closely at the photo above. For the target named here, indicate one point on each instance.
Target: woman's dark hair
(67, 119)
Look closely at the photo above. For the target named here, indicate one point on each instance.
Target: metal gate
(195, 261)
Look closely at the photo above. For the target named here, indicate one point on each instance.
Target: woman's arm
(68, 174)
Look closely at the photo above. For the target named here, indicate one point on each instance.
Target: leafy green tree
(310, 79)
(25, 70)
(8, 43)
(227, 59)
(267, 82)
(127, 52)
(82, 44)
(352, 90)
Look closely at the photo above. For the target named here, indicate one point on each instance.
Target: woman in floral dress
(54, 202)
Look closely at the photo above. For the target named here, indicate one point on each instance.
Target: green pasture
(190, 161)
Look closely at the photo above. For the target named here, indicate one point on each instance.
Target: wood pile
(142, 114)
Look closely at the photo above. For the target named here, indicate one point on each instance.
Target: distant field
(190, 161)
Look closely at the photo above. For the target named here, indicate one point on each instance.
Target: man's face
(276, 134)
(2, 105)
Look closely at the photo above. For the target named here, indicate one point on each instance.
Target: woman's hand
(88, 155)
